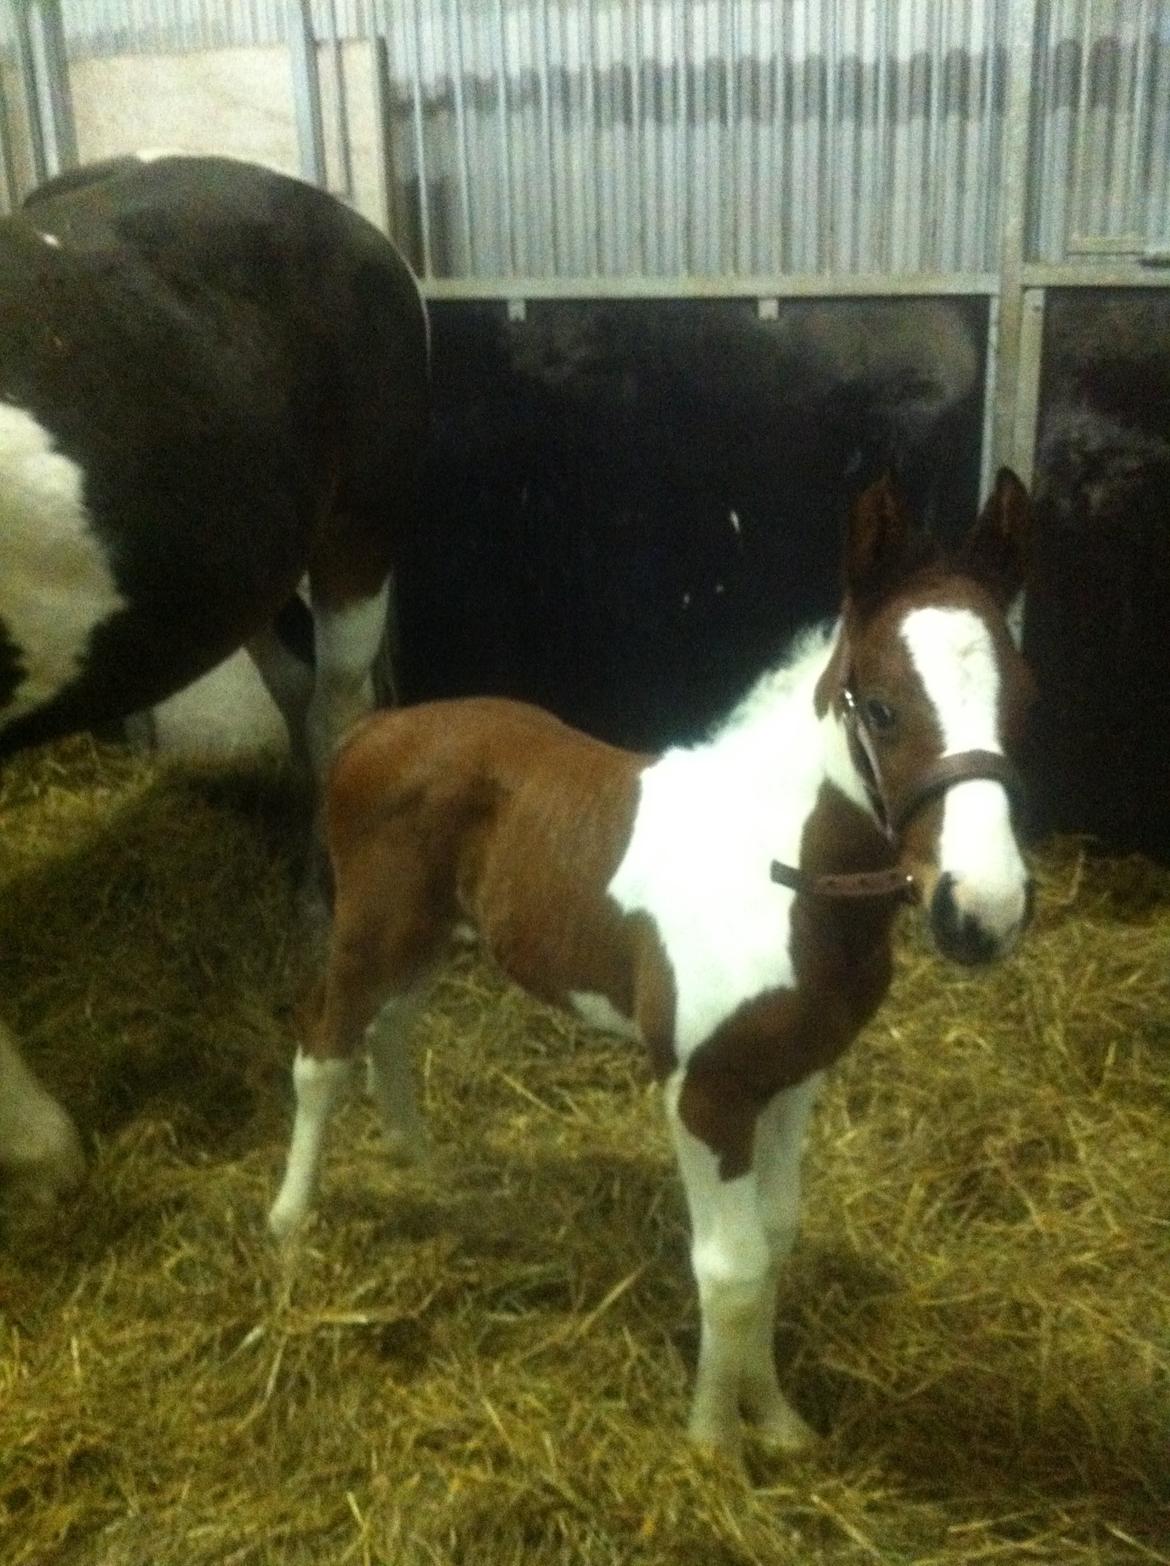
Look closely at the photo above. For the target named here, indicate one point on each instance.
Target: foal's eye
(880, 716)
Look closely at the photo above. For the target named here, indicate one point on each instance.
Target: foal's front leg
(777, 1151)
(731, 1262)
(742, 1228)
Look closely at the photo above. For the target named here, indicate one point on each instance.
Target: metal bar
(383, 110)
(420, 148)
(1030, 361)
(990, 377)
(546, 125)
(458, 71)
(505, 137)
(340, 105)
(589, 66)
(306, 88)
(26, 56)
(1056, 274)
(55, 85)
(1013, 215)
(805, 285)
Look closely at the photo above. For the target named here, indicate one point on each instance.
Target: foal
(730, 903)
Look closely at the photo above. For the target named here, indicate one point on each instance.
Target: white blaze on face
(56, 585)
(954, 657)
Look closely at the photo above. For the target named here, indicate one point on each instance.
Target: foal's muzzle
(969, 935)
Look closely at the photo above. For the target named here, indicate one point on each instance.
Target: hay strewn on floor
(490, 1364)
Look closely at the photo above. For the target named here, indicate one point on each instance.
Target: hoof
(284, 1219)
(719, 1437)
(782, 1427)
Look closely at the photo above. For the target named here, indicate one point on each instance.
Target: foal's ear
(876, 544)
(996, 550)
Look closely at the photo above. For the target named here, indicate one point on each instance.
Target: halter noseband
(959, 767)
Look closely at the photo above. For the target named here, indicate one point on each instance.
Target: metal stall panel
(715, 138)
(1100, 154)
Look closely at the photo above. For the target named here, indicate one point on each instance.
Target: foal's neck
(795, 761)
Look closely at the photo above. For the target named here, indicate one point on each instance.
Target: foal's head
(930, 688)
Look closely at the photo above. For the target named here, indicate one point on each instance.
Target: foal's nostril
(1029, 903)
(959, 935)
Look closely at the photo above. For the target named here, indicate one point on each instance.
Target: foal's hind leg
(392, 1073)
(384, 943)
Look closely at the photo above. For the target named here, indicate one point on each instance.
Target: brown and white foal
(730, 903)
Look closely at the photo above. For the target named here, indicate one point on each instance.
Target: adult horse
(213, 384)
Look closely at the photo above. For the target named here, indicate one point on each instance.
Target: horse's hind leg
(283, 656)
(349, 622)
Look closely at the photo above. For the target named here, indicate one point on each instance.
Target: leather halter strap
(958, 767)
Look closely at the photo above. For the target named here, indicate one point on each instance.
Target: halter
(959, 767)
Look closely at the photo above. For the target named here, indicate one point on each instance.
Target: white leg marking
(319, 1084)
(290, 684)
(733, 1271)
(392, 1076)
(39, 1146)
(346, 644)
(778, 1148)
(56, 585)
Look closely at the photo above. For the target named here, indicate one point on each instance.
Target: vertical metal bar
(880, 231)
(383, 111)
(22, 19)
(306, 87)
(830, 135)
(52, 66)
(1135, 216)
(340, 105)
(682, 148)
(593, 133)
(458, 71)
(546, 125)
(1156, 219)
(1028, 384)
(990, 382)
(57, 83)
(420, 149)
(990, 208)
(933, 183)
(505, 138)
(1078, 216)
(1013, 214)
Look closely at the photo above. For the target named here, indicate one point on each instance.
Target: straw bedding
(489, 1362)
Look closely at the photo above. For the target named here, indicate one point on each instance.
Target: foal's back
(492, 811)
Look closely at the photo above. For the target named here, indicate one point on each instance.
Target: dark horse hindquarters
(236, 363)
(213, 383)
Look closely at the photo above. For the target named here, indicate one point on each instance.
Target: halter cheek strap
(959, 767)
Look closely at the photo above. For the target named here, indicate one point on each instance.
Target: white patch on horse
(345, 644)
(52, 240)
(56, 585)
(709, 822)
(598, 1011)
(954, 657)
